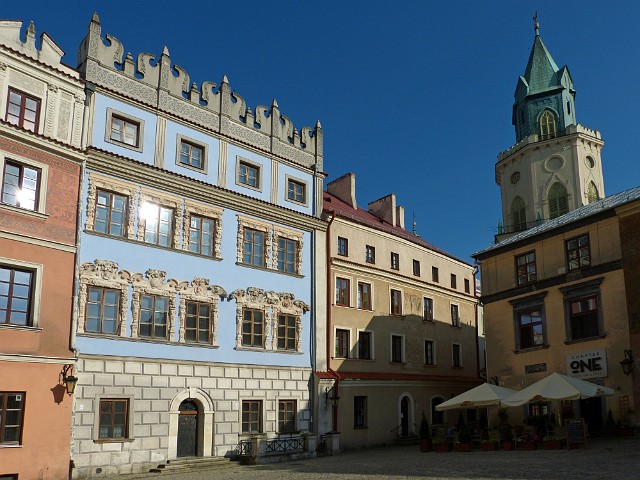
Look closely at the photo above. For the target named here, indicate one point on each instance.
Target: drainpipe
(476, 306)
(334, 409)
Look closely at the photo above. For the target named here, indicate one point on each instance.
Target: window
(113, 419)
(558, 200)
(342, 343)
(253, 248)
(198, 323)
(395, 261)
(342, 291)
(364, 296)
(364, 345)
(434, 274)
(455, 316)
(526, 268)
(16, 289)
(547, 125)
(518, 215)
(158, 224)
(396, 348)
(531, 328)
(11, 417)
(592, 193)
(287, 332)
(251, 416)
(21, 185)
(578, 254)
(396, 302)
(296, 191)
(583, 317)
(103, 308)
(467, 285)
(201, 235)
(249, 174)
(111, 210)
(191, 155)
(429, 352)
(454, 281)
(456, 358)
(23, 110)
(252, 328)
(416, 268)
(287, 254)
(359, 412)
(427, 305)
(287, 416)
(154, 316)
(343, 246)
(124, 130)
(370, 254)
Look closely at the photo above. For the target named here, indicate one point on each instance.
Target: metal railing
(244, 448)
(284, 445)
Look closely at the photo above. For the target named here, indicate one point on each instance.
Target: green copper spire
(543, 88)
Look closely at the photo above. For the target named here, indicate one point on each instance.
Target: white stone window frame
(211, 213)
(433, 308)
(95, 435)
(153, 283)
(288, 234)
(162, 200)
(424, 346)
(287, 398)
(180, 139)
(402, 310)
(263, 417)
(371, 294)
(286, 304)
(255, 299)
(130, 118)
(43, 180)
(111, 185)
(403, 357)
(453, 365)
(458, 322)
(199, 291)
(299, 181)
(352, 342)
(35, 295)
(371, 346)
(103, 274)
(334, 303)
(259, 168)
(254, 224)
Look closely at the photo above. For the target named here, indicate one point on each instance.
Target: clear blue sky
(414, 96)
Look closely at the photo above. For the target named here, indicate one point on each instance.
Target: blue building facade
(199, 287)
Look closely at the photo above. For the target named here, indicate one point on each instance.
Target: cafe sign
(591, 364)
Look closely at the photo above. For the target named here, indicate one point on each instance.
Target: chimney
(400, 217)
(385, 208)
(345, 189)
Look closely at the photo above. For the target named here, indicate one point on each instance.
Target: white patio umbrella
(483, 395)
(556, 387)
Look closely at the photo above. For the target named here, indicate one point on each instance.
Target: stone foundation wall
(154, 389)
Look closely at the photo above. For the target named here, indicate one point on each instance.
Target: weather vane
(536, 25)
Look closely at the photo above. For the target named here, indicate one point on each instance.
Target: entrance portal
(188, 429)
(591, 410)
(404, 416)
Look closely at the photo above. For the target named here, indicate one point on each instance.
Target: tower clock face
(515, 178)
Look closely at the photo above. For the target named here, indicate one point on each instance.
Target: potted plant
(440, 445)
(625, 428)
(425, 435)
(507, 437)
(464, 439)
(549, 442)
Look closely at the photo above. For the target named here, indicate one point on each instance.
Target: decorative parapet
(50, 53)
(168, 88)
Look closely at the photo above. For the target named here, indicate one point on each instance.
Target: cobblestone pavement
(603, 459)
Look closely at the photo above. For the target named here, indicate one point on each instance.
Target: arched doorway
(188, 428)
(404, 416)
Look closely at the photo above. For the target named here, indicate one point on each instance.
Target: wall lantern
(69, 381)
(627, 363)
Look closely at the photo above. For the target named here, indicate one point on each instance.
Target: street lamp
(627, 363)
(69, 381)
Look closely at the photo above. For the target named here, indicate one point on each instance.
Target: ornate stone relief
(164, 201)
(103, 273)
(296, 236)
(153, 283)
(204, 211)
(254, 224)
(272, 304)
(111, 184)
(200, 291)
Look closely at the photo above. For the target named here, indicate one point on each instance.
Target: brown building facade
(42, 102)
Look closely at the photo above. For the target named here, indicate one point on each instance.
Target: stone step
(194, 463)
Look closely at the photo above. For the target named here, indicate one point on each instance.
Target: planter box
(425, 445)
(507, 445)
(464, 447)
(625, 431)
(553, 444)
(442, 447)
(488, 447)
(528, 445)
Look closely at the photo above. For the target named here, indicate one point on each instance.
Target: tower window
(547, 125)
(518, 215)
(558, 201)
(592, 192)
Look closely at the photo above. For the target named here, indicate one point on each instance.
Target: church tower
(554, 166)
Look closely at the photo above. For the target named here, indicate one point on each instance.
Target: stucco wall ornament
(105, 274)
(200, 291)
(288, 305)
(163, 201)
(153, 283)
(212, 213)
(97, 182)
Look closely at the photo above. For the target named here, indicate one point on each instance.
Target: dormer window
(547, 125)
